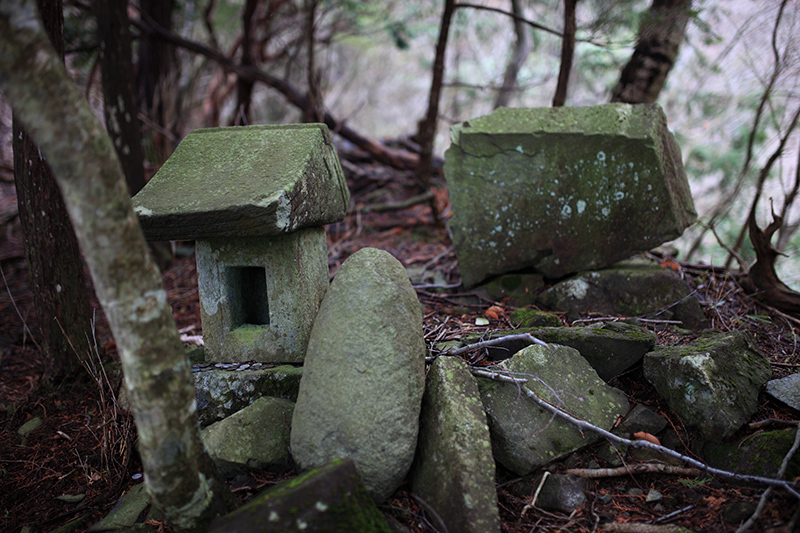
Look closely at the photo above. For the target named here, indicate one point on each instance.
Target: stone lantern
(254, 199)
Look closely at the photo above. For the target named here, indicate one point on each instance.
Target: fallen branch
(400, 204)
(388, 156)
(499, 340)
(643, 468)
(496, 375)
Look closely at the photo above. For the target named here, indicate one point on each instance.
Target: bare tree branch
(502, 376)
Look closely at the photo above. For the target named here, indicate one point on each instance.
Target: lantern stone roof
(245, 181)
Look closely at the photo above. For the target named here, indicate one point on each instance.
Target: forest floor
(74, 467)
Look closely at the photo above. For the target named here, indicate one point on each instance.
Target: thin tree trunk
(120, 110)
(314, 111)
(522, 48)
(427, 128)
(244, 87)
(155, 63)
(158, 378)
(51, 249)
(567, 53)
(660, 35)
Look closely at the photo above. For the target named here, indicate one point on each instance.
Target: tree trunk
(157, 375)
(54, 260)
(660, 35)
(120, 110)
(427, 128)
(155, 63)
(567, 53)
(522, 48)
(244, 87)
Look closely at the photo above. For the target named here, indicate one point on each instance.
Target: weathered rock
(253, 439)
(245, 181)
(561, 492)
(525, 436)
(712, 383)
(329, 498)
(223, 389)
(642, 418)
(364, 374)
(517, 290)
(129, 510)
(611, 347)
(786, 390)
(559, 190)
(760, 454)
(454, 470)
(533, 318)
(630, 288)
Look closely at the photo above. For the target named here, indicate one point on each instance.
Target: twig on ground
(499, 340)
(788, 486)
(643, 468)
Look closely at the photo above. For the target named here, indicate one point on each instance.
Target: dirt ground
(74, 467)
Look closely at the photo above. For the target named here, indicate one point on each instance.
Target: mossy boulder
(712, 383)
(635, 288)
(559, 190)
(526, 436)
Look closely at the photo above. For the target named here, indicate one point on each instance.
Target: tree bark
(522, 48)
(120, 110)
(157, 375)
(155, 63)
(660, 35)
(567, 53)
(427, 128)
(54, 260)
(244, 87)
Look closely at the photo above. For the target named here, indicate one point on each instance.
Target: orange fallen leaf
(648, 437)
(494, 312)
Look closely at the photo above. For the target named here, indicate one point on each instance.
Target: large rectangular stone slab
(560, 190)
(245, 181)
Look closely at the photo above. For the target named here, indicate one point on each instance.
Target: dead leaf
(648, 437)
(494, 312)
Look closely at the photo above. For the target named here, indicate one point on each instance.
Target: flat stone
(223, 391)
(454, 470)
(786, 390)
(245, 181)
(253, 439)
(560, 190)
(634, 288)
(329, 498)
(129, 510)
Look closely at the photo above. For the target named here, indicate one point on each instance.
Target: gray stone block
(559, 190)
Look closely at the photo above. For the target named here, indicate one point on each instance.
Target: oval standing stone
(364, 373)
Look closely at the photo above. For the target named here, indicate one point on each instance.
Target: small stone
(653, 496)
